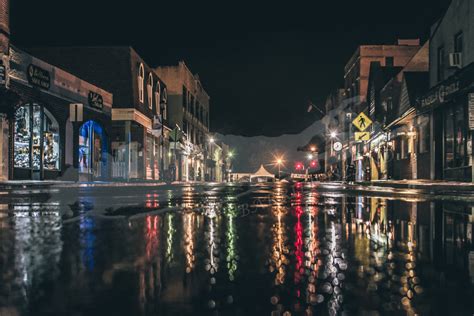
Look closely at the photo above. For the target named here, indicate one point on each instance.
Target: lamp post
(279, 161)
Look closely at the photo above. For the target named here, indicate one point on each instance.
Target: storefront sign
(470, 100)
(95, 100)
(38, 77)
(440, 94)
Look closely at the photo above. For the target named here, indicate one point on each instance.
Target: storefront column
(127, 139)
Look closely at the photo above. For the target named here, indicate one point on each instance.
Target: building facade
(139, 143)
(189, 112)
(449, 103)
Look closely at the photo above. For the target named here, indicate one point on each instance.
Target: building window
(458, 43)
(440, 64)
(157, 97)
(36, 140)
(389, 61)
(141, 79)
(149, 90)
(164, 103)
(185, 97)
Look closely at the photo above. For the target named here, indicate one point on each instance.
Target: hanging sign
(361, 136)
(95, 100)
(470, 99)
(38, 77)
(362, 121)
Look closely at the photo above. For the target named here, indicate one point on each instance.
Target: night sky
(261, 64)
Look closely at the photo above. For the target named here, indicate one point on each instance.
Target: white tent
(262, 173)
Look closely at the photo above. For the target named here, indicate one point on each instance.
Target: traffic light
(299, 166)
(313, 164)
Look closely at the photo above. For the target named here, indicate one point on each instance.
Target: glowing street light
(333, 134)
(212, 140)
(313, 148)
(310, 156)
(279, 162)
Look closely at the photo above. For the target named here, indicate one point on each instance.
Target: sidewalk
(421, 184)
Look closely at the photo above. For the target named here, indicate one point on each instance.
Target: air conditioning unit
(455, 60)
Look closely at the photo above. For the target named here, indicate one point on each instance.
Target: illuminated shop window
(36, 141)
(92, 148)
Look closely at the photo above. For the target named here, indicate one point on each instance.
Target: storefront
(57, 123)
(36, 143)
(449, 105)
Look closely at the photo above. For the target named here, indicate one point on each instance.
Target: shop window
(157, 98)
(141, 79)
(449, 139)
(149, 90)
(36, 140)
(92, 148)
(424, 137)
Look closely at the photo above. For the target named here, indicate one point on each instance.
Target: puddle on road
(272, 251)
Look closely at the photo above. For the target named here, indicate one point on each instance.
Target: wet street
(275, 249)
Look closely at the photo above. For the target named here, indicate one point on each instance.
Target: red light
(313, 163)
(299, 166)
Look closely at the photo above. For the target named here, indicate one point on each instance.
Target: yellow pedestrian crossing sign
(362, 121)
(360, 136)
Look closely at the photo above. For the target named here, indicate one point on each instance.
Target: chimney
(4, 26)
(408, 42)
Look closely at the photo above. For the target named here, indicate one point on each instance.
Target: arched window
(141, 79)
(157, 97)
(149, 90)
(164, 100)
(36, 139)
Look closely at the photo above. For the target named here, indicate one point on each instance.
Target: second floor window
(149, 90)
(458, 43)
(157, 98)
(440, 63)
(164, 103)
(141, 79)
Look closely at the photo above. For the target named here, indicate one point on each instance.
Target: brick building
(189, 110)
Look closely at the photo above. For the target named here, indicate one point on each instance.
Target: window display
(91, 146)
(36, 132)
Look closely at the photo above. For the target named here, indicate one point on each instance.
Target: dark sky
(260, 63)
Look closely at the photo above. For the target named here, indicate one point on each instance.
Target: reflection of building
(188, 110)
(139, 108)
(451, 91)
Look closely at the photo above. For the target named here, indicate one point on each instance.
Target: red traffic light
(313, 164)
(299, 166)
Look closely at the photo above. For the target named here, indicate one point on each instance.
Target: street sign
(360, 136)
(337, 146)
(362, 121)
(176, 134)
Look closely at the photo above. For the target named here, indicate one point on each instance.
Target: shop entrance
(92, 151)
(36, 143)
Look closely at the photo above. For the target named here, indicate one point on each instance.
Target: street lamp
(310, 156)
(333, 134)
(212, 140)
(279, 162)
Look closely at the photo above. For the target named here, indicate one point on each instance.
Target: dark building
(139, 136)
(53, 124)
(449, 103)
(398, 135)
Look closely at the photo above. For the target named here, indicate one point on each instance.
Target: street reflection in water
(261, 250)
